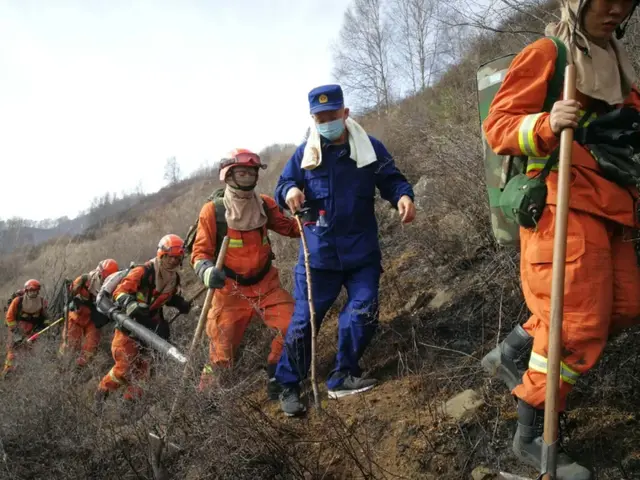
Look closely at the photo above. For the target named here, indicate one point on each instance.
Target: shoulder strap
(147, 276)
(221, 222)
(554, 90)
(147, 280)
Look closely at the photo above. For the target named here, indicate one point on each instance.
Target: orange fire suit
(82, 335)
(26, 322)
(234, 305)
(131, 361)
(602, 281)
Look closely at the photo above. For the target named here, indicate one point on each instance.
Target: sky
(95, 95)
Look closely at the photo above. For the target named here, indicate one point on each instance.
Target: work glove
(214, 278)
(72, 306)
(180, 303)
(211, 276)
(17, 337)
(131, 307)
(137, 309)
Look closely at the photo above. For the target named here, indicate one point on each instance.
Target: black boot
(273, 387)
(528, 442)
(502, 361)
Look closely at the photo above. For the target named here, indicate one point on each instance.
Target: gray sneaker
(352, 385)
(290, 403)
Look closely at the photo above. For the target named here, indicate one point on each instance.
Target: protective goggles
(174, 251)
(245, 159)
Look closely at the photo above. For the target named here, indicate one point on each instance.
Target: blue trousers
(356, 325)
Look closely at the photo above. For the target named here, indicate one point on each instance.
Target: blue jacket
(346, 193)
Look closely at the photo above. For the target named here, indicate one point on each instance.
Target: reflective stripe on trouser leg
(587, 301)
(539, 363)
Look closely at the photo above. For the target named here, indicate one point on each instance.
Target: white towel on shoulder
(362, 151)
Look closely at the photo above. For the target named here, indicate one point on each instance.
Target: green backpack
(514, 198)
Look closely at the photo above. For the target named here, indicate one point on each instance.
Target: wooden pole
(550, 446)
(312, 317)
(157, 444)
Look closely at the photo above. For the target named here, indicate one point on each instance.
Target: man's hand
(564, 114)
(295, 198)
(17, 337)
(137, 309)
(406, 209)
(214, 278)
(181, 304)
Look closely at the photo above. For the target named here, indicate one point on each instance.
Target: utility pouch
(523, 199)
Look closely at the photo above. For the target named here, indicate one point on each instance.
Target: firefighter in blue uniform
(335, 174)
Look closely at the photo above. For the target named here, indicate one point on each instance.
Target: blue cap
(326, 97)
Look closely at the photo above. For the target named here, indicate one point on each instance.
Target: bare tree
(520, 17)
(416, 39)
(172, 171)
(362, 54)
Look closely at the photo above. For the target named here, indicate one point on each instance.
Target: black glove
(210, 275)
(131, 307)
(180, 303)
(17, 337)
(137, 310)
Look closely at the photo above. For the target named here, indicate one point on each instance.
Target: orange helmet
(107, 267)
(171, 245)
(239, 157)
(32, 285)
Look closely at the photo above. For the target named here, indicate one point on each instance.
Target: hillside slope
(448, 295)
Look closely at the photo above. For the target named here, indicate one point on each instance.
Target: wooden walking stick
(312, 310)
(156, 443)
(550, 446)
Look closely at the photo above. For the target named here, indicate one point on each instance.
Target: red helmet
(107, 267)
(171, 245)
(239, 157)
(32, 285)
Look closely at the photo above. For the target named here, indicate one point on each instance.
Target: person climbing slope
(141, 294)
(602, 277)
(27, 314)
(335, 174)
(249, 283)
(83, 329)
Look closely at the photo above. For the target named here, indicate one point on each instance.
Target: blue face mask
(331, 130)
